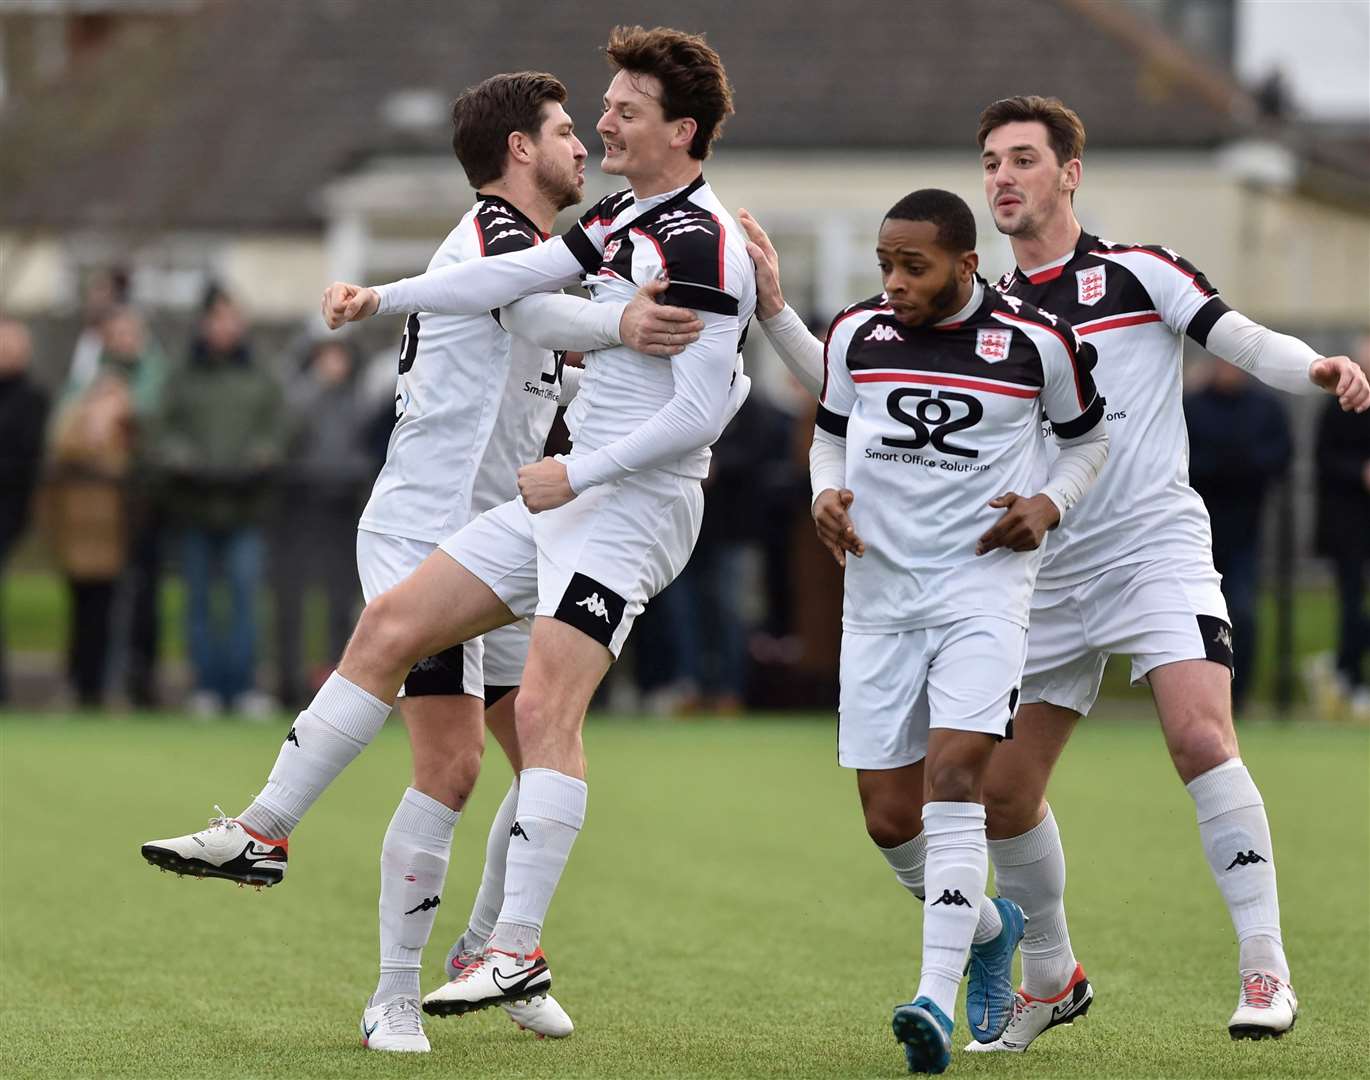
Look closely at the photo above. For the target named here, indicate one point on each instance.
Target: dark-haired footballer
(928, 465)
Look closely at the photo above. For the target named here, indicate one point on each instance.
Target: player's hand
(834, 525)
(770, 301)
(1023, 525)
(544, 485)
(344, 303)
(654, 328)
(1344, 377)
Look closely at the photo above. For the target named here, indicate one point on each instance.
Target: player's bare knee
(1199, 740)
(384, 637)
(889, 827)
(1010, 809)
(954, 782)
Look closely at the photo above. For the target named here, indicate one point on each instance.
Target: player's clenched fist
(834, 525)
(544, 485)
(1023, 525)
(1342, 376)
(344, 303)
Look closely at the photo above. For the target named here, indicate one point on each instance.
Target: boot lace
(1259, 989)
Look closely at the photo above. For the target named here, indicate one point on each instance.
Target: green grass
(723, 913)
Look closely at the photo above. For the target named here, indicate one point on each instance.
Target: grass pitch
(723, 913)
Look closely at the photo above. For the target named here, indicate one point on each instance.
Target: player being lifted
(474, 404)
(1131, 571)
(929, 428)
(595, 535)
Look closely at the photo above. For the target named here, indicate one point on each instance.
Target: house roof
(238, 115)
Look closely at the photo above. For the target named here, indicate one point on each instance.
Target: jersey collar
(1051, 271)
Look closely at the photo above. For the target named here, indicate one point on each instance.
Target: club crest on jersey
(611, 249)
(1090, 285)
(992, 345)
(881, 332)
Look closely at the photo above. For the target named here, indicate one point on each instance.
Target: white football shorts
(1156, 612)
(592, 563)
(895, 687)
(383, 561)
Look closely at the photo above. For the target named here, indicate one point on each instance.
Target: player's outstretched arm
(800, 351)
(563, 321)
(1285, 362)
(466, 288)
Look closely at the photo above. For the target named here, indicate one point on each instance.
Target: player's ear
(966, 265)
(520, 147)
(684, 133)
(1070, 176)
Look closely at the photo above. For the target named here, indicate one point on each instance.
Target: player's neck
(526, 198)
(1056, 239)
(674, 175)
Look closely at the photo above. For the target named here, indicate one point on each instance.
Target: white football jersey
(623, 243)
(472, 403)
(939, 420)
(1134, 304)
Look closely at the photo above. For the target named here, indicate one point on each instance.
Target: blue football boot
(989, 994)
(924, 1030)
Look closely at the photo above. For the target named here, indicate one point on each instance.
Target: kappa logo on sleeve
(591, 607)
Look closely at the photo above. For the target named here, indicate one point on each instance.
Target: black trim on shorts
(592, 608)
(493, 694)
(437, 676)
(1217, 639)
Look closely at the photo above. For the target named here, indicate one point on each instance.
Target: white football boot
(227, 849)
(495, 977)
(1032, 1016)
(394, 1025)
(1266, 1008)
(543, 1016)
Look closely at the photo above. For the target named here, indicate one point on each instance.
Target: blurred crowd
(243, 475)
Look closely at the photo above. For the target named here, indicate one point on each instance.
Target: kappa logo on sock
(952, 898)
(292, 737)
(517, 830)
(1246, 858)
(427, 905)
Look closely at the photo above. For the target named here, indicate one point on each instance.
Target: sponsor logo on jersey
(1090, 285)
(883, 333)
(595, 606)
(611, 249)
(992, 345)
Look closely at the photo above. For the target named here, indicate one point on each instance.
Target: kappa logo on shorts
(1216, 636)
(595, 606)
(592, 608)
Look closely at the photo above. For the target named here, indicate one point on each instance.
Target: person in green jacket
(220, 440)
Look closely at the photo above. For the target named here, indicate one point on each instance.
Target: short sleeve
(1184, 298)
(694, 252)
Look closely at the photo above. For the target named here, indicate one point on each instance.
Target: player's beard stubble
(558, 186)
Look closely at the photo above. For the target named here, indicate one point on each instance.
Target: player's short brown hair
(693, 82)
(1065, 131)
(485, 114)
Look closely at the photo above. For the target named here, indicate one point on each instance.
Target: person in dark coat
(1239, 446)
(23, 417)
(1343, 534)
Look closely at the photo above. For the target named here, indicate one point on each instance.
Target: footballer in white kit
(933, 402)
(1131, 570)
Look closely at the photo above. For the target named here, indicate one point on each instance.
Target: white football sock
(338, 725)
(551, 810)
(1236, 838)
(414, 858)
(907, 861)
(490, 896)
(1030, 869)
(957, 867)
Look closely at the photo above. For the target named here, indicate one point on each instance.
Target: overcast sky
(1322, 46)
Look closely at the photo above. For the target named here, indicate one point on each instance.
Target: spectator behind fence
(23, 415)
(326, 472)
(1343, 535)
(1238, 447)
(220, 439)
(105, 290)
